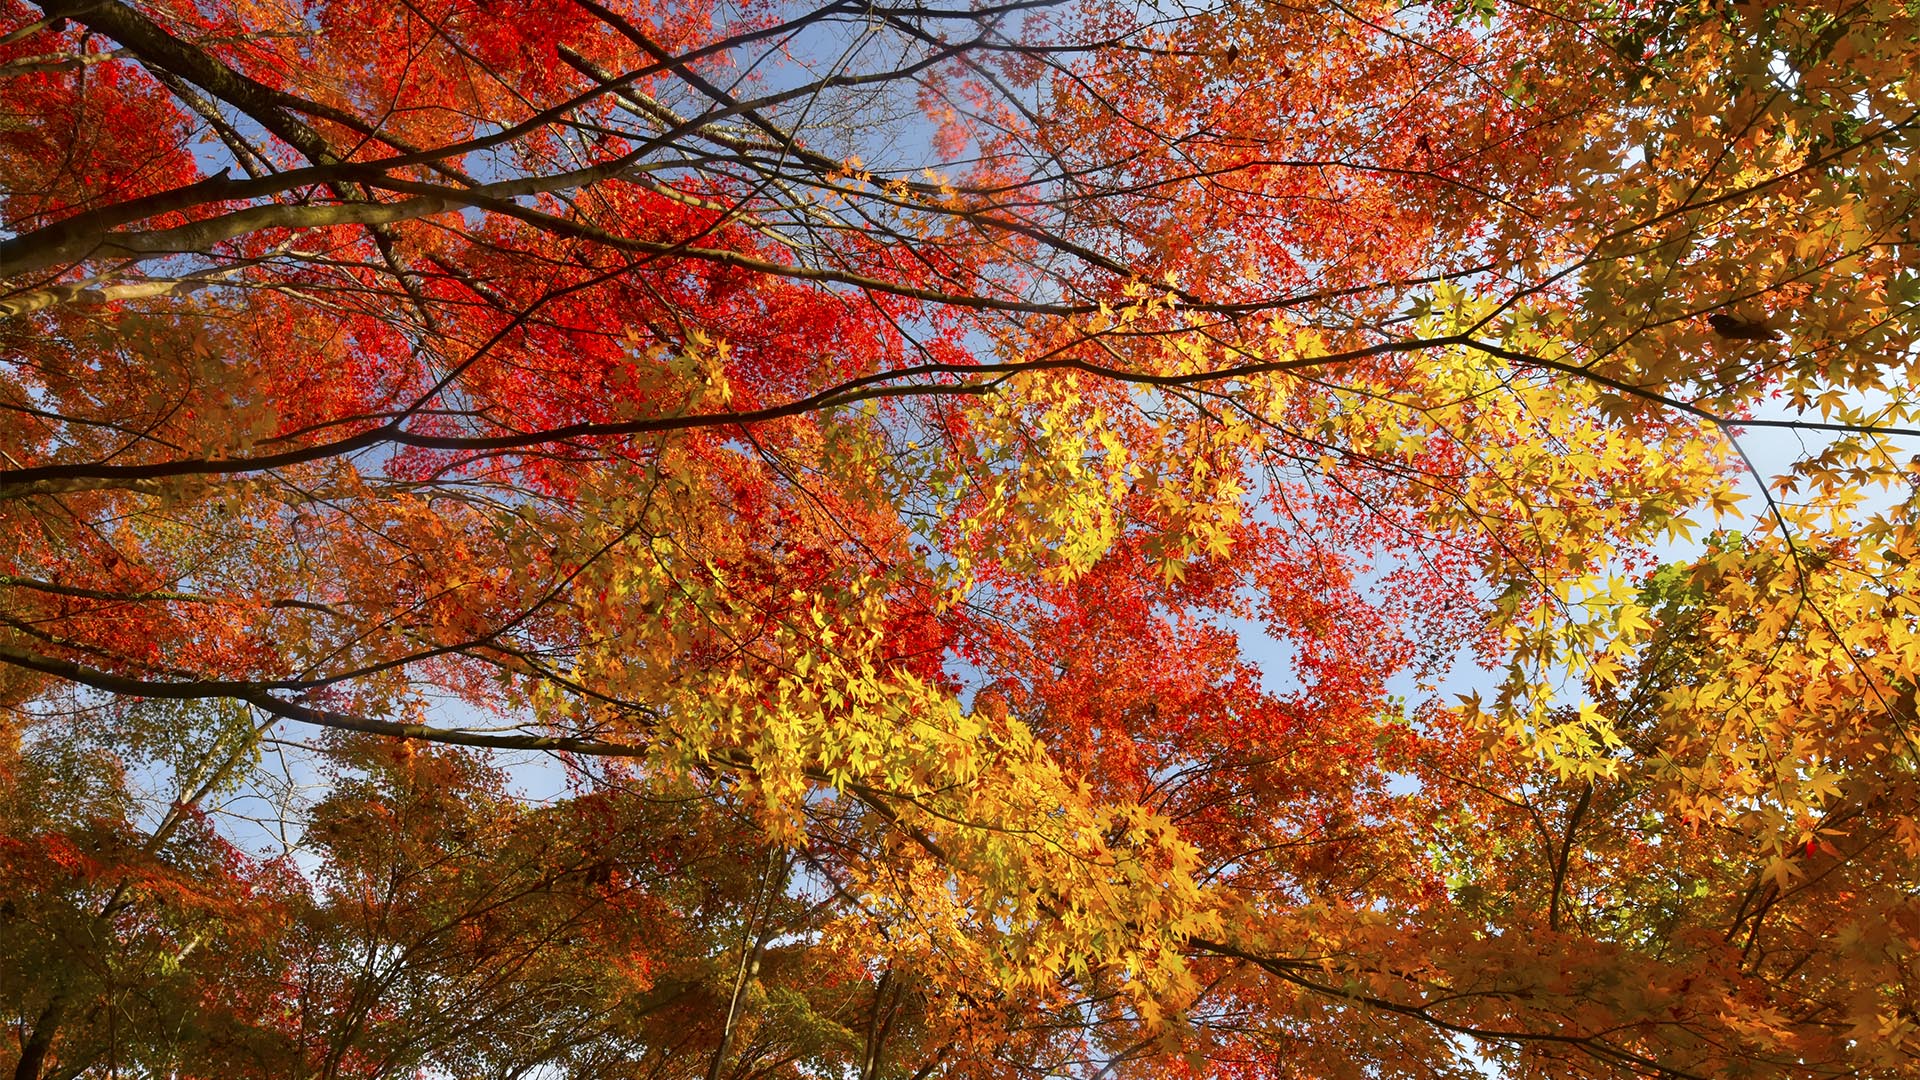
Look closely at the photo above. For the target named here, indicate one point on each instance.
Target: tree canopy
(1046, 538)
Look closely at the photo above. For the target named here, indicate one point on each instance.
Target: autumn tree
(1054, 538)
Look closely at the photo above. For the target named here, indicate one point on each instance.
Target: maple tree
(1048, 538)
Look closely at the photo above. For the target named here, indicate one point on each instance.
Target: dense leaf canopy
(1047, 538)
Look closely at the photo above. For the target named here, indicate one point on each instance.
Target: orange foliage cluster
(1065, 538)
